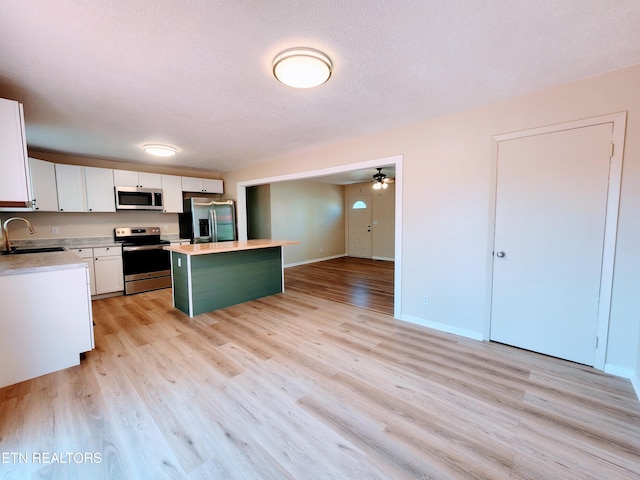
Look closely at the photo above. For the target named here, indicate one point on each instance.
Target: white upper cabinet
(150, 180)
(84, 189)
(126, 178)
(172, 193)
(15, 182)
(72, 195)
(204, 185)
(99, 188)
(43, 185)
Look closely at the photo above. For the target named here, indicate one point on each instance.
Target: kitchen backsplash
(80, 225)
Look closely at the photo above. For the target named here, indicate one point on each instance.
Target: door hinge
(597, 338)
(613, 145)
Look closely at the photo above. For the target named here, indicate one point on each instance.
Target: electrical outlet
(55, 230)
(166, 227)
(425, 300)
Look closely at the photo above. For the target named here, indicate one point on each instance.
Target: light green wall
(259, 212)
(311, 213)
(294, 205)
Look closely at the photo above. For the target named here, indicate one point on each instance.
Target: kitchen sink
(20, 251)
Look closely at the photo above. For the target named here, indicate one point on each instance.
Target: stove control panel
(136, 231)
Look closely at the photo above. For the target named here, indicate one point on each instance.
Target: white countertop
(39, 262)
(84, 242)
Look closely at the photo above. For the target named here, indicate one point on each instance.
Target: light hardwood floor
(355, 281)
(295, 386)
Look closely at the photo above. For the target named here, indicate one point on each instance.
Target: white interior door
(360, 226)
(550, 226)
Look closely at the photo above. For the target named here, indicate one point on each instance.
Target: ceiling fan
(380, 180)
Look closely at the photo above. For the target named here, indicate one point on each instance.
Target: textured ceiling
(102, 77)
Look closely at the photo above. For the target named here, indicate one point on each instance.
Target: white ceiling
(101, 78)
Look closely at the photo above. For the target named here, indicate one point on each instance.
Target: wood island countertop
(221, 247)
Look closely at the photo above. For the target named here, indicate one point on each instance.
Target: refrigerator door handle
(214, 222)
(202, 204)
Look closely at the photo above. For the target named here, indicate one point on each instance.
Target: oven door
(146, 267)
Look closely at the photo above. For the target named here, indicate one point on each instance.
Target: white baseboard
(618, 371)
(635, 381)
(625, 373)
(314, 260)
(443, 327)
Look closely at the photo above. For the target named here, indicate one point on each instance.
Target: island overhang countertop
(221, 247)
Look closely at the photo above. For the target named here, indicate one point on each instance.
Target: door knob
(500, 254)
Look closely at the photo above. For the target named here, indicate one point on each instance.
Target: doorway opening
(395, 161)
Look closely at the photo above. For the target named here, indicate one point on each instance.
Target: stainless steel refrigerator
(207, 220)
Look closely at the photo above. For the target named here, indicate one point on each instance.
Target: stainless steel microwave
(137, 198)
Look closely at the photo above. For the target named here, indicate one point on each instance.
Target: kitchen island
(210, 276)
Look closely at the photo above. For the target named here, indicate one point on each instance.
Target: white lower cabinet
(108, 269)
(105, 266)
(87, 255)
(46, 322)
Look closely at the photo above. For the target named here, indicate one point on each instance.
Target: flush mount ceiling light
(160, 150)
(302, 67)
(379, 180)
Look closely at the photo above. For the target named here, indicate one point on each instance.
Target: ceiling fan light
(379, 180)
(302, 67)
(160, 150)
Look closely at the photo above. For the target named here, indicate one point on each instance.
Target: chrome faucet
(5, 231)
